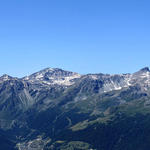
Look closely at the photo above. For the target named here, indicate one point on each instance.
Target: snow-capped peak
(5, 77)
(52, 76)
(118, 82)
(146, 69)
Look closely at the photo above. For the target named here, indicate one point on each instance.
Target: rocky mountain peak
(52, 76)
(5, 77)
(145, 69)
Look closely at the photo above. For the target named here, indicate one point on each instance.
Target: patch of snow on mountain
(66, 80)
(50, 76)
(94, 77)
(39, 76)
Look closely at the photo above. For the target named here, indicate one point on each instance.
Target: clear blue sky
(109, 36)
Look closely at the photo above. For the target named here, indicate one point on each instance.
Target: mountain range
(54, 109)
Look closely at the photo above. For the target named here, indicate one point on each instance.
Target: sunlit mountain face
(54, 109)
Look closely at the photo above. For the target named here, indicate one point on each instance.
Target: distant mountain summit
(146, 69)
(52, 76)
(106, 82)
(5, 77)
